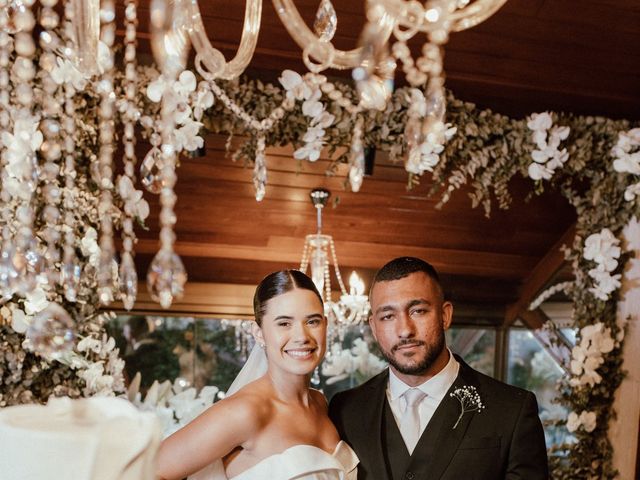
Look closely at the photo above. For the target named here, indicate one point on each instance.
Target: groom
(407, 422)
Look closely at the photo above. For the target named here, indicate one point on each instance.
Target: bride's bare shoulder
(251, 403)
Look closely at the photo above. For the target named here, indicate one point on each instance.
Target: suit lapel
(371, 435)
(449, 438)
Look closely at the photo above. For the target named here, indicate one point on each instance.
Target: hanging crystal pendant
(166, 278)
(318, 264)
(128, 281)
(70, 279)
(51, 332)
(356, 172)
(25, 281)
(150, 171)
(356, 158)
(326, 21)
(260, 170)
(413, 133)
(8, 274)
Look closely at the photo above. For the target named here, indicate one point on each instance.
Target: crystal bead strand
(105, 156)
(337, 268)
(51, 147)
(261, 127)
(23, 73)
(356, 157)
(304, 263)
(260, 169)
(128, 275)
(8, 272)
(166, 276)
(71, 270)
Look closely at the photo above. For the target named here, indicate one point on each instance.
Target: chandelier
(56, 53)
(318, 253)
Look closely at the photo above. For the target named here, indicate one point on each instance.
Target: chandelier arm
(210, 62)
(474, 14)
(169, 39)
(320, 50)
(86, 28)
(411, 15)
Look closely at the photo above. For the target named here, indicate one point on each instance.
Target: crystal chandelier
(318, 253)
(374, 65)
(41, 91)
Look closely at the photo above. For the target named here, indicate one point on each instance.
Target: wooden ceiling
(578, 56)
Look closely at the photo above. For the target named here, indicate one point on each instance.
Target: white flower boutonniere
(469, 399)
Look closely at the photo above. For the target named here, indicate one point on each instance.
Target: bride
(271, 424)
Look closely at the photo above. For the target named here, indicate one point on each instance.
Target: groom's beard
(407, 366)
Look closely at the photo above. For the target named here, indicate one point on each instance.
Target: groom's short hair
(404, 266)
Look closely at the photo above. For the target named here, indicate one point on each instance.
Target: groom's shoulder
(500, 390)
(365, 390)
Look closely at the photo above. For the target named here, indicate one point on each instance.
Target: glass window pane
(476, 346)
(531, 367)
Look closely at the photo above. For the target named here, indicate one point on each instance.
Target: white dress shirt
(435, 388)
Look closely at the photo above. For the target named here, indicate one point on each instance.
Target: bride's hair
(277, 283)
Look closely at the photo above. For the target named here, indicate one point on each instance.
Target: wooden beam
(288, 250)
(539, 277)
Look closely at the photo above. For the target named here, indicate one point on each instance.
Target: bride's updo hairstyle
(277, 283)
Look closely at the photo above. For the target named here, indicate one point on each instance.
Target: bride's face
(294, 331)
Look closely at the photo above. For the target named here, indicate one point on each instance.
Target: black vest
(400, 465)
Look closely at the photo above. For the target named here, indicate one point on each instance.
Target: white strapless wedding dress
(300, 462)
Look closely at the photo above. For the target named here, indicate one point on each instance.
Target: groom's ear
(447, 314)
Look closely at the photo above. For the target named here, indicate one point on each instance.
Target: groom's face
(408, 319)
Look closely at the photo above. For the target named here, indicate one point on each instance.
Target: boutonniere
(469, 399)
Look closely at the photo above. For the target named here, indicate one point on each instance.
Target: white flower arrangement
(549, 292)
(627, 159)
(98, 363)
(603, 248)
(469, 399)
(181, 95)
(586, 420)
(588, 355)
(174, 404)
(341, 363)
(423, 156)
(307, 89)
(547, 157)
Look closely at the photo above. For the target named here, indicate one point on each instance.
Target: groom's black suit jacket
(503, 441)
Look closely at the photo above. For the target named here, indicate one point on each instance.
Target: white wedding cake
(86, 439)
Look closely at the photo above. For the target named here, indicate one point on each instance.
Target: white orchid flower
(156, 89)
(294, 85)
(185, 84)
(538, 172)
(35, 301)
(203, 100)
(89, 344)
(540, 121)
(20, 321)
(66, 72)
(187, 138)
(588, 420)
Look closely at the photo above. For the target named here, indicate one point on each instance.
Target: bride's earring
(261, 345)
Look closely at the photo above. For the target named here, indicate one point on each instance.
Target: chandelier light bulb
(356, 285)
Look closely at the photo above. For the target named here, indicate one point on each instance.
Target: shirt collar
(436, 387)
